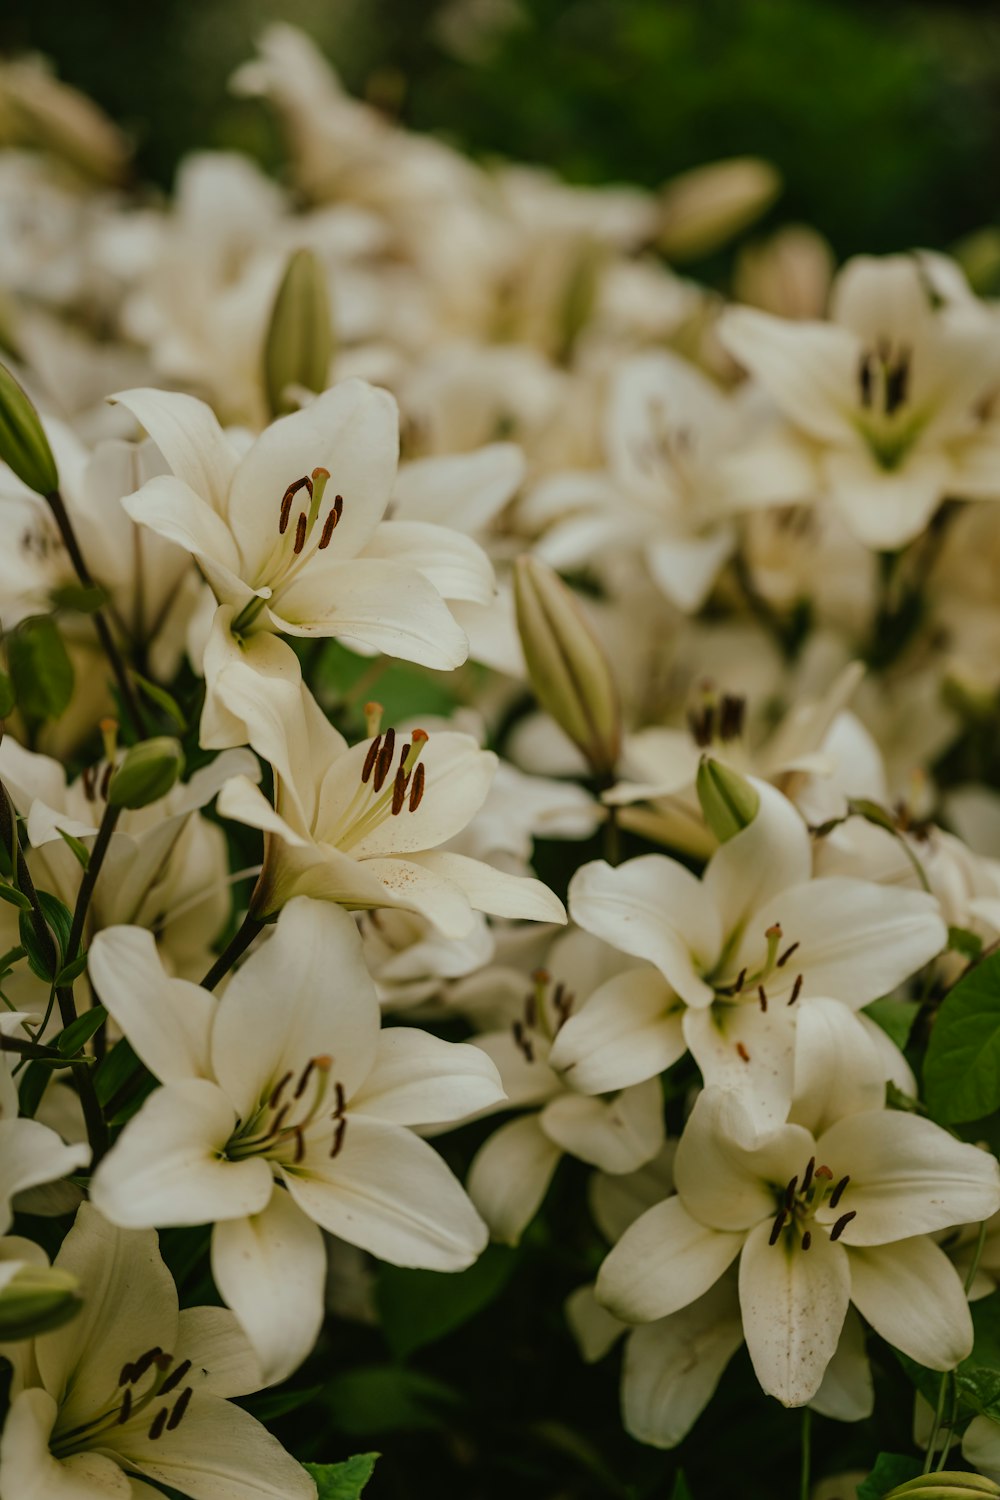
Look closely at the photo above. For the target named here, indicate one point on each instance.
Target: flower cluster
(372, 539)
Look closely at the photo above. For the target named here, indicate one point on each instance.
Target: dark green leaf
(962, 1066)
(890, 1469)
(160, 698)
(59, 919)
(385, 1398)
(115, 1070)
(15, 898)
(34, 1081)
(79, 1032)
(40, 669)
(72, 970)
(961, 940)
(681, 1490)
(85, 601)
(269, 1405)
(79, 850)
(343, 1481)
(418, 1307)
(896, 1018)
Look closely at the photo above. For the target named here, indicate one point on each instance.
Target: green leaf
(75, 596)
(418, 1307)
(7, 698)
(16, 898)
(160, 698)
(59, 920)
(78, 1033)
(72, 970)
(896, 1018)
(385, 1398)
(962, 1066)
(961, 940)
(681, 1489)
(40, 668)
(267, 1406)
(79, 850)
(115, 1070)
(343, 1481)
(890, 1469)
(34, 1081)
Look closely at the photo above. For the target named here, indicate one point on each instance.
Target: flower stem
(84, 895)
(107, 640)
(237, 945)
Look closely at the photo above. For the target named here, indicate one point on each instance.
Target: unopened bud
(23, 444)
(729, 802)
(35, 1300)
(946, 1484)
(147, 773)
(702, 209)
(299, 344)
(569, 671)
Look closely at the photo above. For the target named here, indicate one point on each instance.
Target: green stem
(234, 948)
(85, 894)
(104, 634)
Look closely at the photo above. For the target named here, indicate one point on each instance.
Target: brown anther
(175, 1377)
(741, 980)
(180, 1407)
(300, 1143)
(417, 789)
(338, 1136)
(777, 1227)
(141, 1365)
(743, 1052)
(126, 1406)
(807, 1240)
(731, 714)
(278, 1089)
(807, 1175)
(158, 1424)
(339, 1100)
(790, 1191)
(304, 1078)
(370, 758)
(106, 780)
(280, 1118)
(330, 524)
(762, 997)
(838, 1191)
(399, 789)
(163, 1361)
(384, 759)
(300, 533)
(530, 1011)
(89, 778)
(782, 961)
(522, 1042)
(865, 379)
(796, 989)
(286, 501)
(842, 1224)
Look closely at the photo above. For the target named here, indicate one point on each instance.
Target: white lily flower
(291, 535)
(740, 948)
(890, 395)
(132, 1390)
(283, 1111)
(511, 1172)
(818, 1224)
(362, 825)
(31, 1154)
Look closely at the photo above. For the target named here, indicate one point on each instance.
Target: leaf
(895, 1017)
(78, 1033)
(72, 970)
(16, 898)
(115, 1070)
(40, 668)
(419, 1307)
(343, 1481)
(681, 1489)
(890, 1469)
(34, 1081)
(269, 1405)
(76, 596)
(961, 940)
(962, 1066)
(7, 697)
(384, 1398)
(59, 920)
(160, 698)
(79, 850)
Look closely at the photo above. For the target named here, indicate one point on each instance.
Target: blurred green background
(884, 119)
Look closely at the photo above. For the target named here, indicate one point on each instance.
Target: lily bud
(729, 802)
(147, 773)
(23, 444)
(702, 209)
(299, 344)
(569, 671)
(37, 1299)
(946, 1484)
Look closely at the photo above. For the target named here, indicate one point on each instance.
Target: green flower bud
(23, 444)
(569, 671)
(147, 773)
(299, 344)
(35, 1300)
(946, 1484)
(728, 801)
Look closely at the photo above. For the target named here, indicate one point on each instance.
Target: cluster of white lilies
(710, 580)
